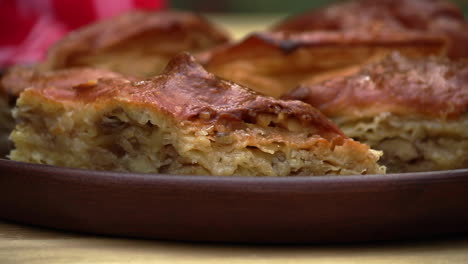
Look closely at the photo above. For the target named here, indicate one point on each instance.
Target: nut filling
(411, 144)
(185, 121)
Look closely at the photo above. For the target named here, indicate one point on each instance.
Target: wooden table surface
(26, 244)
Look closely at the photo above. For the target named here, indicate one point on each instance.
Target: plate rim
(257, 198)
(409, 176)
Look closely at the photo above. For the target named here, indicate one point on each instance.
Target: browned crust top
(19, 78)
(369, 14)
(430, 16)
(264, 43)
(187, 92)
(113, 31)
(434, 87)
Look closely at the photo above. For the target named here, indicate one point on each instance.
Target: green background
(260, 6)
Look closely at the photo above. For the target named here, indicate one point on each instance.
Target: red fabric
(29, 27)
(14, 24)
(75, 13)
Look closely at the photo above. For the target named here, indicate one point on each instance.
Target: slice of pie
(19, 78)
(440, 17)
(185, 121)
(274, 63)
(415, 110)
(138, 43)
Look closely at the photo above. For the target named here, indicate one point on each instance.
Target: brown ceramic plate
(236, 209)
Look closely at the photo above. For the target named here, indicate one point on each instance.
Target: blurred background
(260, 6)
(29, 27)
(244, 16)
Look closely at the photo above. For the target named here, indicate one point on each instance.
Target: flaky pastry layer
(274, 63)
(138, 43)
(414, 144)
(440, 17)
(181, 123)
(413, 110)
(432, 87)
(18, 78)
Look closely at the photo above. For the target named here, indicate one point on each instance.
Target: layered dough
(338, 40)
(415, 110)
(19, 78)
(439, 17)
(185, 121)
(137, 43)
(412, 144)
(275, 63)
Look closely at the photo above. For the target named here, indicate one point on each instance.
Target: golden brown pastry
(138, 43)
(19, 78)
(185, 121)
(426, 16)
(415, 110)
(274, 63)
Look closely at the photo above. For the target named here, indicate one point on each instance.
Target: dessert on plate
(19, 78)
(184, 121)
(274, 63)
(137, 43)
(439, 17)
(415, 110)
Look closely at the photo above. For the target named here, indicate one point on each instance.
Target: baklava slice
(138, 43)
(19, 78)
(185, 121)
(440, 17)
(415, 110)
(274, 63)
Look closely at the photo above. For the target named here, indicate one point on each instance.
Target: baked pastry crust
(409, 102)
(185, 121)
(274, 63)
(138, 43)
(428, 87)
(19, 78)
(426, 16)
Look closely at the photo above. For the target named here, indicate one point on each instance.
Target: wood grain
(25, 244)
